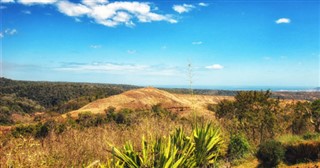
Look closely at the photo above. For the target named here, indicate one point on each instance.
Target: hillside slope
(145, 98)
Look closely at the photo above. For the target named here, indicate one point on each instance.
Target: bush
(38, 131)
(302, 152)
(24, 130)
(270, 153)
(87, 119)
(238, 147)
(311, 136)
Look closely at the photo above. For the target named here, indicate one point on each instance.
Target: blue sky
(228, 43)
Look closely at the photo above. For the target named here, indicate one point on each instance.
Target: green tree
(300, 118)
(315, 114)
(252, 112)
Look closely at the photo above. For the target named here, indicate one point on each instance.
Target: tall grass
(78, 147)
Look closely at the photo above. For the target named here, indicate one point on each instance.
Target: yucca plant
(162, 153)
(201, 149)
(208, 145)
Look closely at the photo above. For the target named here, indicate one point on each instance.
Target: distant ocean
(246, 88)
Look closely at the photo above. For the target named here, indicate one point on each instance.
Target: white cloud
(197, 42)
(1, 35)
(94, 2)
(26, 12)
(131, 51)
(95, 46)
(203, 4)
(182, 8)
(283, 20)
(7, 1)
(108, 13)
(72, 9)
(104, 67)
(116, 68)
(215, 67)
(113, 14)
(10, 31)
(34, 2)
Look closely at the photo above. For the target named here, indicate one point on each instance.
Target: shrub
(311, 136)
(270, 153)
(87, 119)
(38, 131)
(302, 152)
(24, 130)
(238, 147)
(123, 116)
(42, 130)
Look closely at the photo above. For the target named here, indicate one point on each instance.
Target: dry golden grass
(146, 97)
(76, 147)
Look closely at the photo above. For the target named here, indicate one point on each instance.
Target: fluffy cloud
(283, 20)
(203, 4)
(34, 2)
(1, 35)
(72, 9)
(94, 2)
(215, 67)
(183, 8)
(6, 1)
(113, 14)
(197, 42)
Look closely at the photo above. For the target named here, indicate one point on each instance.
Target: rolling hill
(145, 98)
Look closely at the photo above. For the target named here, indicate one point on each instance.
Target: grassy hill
(145, 98)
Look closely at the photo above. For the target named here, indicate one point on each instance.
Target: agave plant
(201, 149)
(208, 145)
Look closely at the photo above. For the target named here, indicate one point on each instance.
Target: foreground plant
(201, 149)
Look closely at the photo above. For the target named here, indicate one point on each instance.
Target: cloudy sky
(233, 43)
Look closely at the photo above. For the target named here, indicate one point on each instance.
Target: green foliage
(201, 149)
(300, 117)
(270, 153)
(159, 111)
(252, 112)
(207, 142)
(315, 114)
(238, 147)
(11, 104)
(302, 152)
(311, 136)
(57, 96)
(87, 119)
(5, 116)
(38, 131)
(225, 108)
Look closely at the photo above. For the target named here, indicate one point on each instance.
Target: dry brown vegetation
(146, 97)
(78, 147)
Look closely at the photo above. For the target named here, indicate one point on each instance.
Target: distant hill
(55, 96)
(145, 98)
